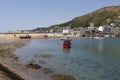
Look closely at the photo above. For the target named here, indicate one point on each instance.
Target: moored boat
(25, 37)
(66, 42)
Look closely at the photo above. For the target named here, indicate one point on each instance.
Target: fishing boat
(66, 42)
(25, 37)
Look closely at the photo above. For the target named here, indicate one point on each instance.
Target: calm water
(88, 59)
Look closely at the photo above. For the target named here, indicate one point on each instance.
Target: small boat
(66, 42)
(25, 37)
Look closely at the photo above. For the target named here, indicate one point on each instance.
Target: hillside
(98, 17)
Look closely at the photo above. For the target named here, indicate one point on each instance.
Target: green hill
(98, 17)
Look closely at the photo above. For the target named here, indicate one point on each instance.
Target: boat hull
(66, 45)
(25, 37)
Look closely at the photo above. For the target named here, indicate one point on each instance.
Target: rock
(62, 77)
(14, 58)
(33, 66)
(46, 56)
(46, 70)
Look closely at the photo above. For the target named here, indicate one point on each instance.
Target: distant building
(66, 31)
(105, 29)
(52, 31)
(116, 30)
(101, 29)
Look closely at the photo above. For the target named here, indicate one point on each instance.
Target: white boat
(98, 37)
(66, 39)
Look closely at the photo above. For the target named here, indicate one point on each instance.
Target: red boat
(66, 44)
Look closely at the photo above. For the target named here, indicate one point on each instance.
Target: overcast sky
(30, 14)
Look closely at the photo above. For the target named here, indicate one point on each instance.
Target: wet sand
(9, 69)
(3, 76)
(6, 56)
(9, 75)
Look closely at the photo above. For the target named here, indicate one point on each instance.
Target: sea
(87, 59)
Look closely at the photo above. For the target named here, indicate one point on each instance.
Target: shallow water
(87, 59)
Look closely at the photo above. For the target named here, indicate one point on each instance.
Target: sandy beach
(37, 35)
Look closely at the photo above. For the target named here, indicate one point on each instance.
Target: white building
(66, 31)
(105, 29)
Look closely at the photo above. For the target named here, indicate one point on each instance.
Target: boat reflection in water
(66, 50)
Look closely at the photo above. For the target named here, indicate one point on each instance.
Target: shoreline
(8, 61)
(37, 35)
(11, 75)
(25, 71)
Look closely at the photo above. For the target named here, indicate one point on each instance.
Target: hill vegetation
(98, 17)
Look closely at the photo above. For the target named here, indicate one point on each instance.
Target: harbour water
(87, 59)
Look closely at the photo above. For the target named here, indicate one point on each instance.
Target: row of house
(90, 31)
(112, 29)
(93, 31)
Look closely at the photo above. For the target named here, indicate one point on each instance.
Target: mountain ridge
(98, 17)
